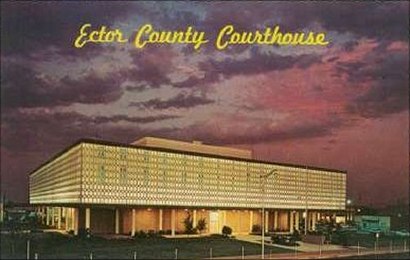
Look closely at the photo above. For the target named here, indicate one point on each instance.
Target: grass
(368, 240)
(59, 246)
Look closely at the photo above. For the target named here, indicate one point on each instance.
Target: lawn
(59, 246)
(368, 240)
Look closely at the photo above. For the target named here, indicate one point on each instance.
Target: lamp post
(348, 210)
(263, 178)
(306, 201)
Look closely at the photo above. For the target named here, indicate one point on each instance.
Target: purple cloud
(24, 87)
(182, 100)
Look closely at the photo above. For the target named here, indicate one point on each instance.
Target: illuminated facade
(153, 184)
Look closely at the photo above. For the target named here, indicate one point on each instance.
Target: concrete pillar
(72, 218)
(314, 215)
(297, 220)
(307, 220)
(266, 221)
(48, 216)
(275, 220)
(117, 221)
(173, 222)
(291, 222)
(59, 217)
(250, 220)
(75, 221)
(160, 219)
(194, 223)
(53, 216)
(87, 218)
(67, 219)
(133, 222)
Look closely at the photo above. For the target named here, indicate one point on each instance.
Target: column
(291, 222)
(194, 219)
(297, 220)
(48, 217)
(160, 219)
(250, 220)
(133, 222)
(59, 218)
(307, 220)
(71, 219)
(67, 219)
(75, 221)
(87, 218)
(314, 215)
(266, 221)
(173, 222)
(52, 216)
(117, 221)
(275, 220)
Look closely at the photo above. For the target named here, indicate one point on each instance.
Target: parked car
(402, 233)
(286, 240)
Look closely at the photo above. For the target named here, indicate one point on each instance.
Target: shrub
(201, 226)
(189, 225)
(226, 231)
(84, 233)
(256, 228)
(140, 234)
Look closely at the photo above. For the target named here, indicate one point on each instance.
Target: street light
(263, 179)
(349, 216)
(306, 201)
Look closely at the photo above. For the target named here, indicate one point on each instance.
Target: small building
(369, 223)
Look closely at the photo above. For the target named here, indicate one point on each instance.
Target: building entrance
(214, 222)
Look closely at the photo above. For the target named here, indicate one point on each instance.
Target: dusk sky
(342, 106)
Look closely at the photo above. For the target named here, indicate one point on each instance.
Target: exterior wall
(102, 220)
(136, 176)
(58, 181)
(126, 226)
(166, 217)
(238, 220)
(146, 219)
(257, 217)
(283, 220)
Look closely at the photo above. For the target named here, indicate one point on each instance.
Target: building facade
(154, 184)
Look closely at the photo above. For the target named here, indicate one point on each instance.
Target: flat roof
(194, 146)
(117, 144)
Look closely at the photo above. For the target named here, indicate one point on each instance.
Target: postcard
(204, 129)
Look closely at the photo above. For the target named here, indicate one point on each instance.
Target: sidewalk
(303, 247)
(316, 255)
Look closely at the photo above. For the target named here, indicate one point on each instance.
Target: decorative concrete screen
(97, 172)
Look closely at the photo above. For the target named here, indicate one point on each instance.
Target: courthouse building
(153, 184)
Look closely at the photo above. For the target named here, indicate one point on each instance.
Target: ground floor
(125, 220)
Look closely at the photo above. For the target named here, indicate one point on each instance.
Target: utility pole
(306, 201)
(263, 179)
